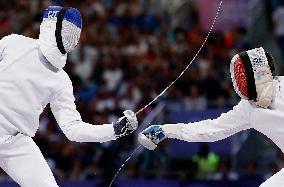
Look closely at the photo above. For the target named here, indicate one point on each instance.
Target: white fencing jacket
(28, 82)
(243, 116)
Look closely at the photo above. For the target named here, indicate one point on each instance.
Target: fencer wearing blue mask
(32, 77)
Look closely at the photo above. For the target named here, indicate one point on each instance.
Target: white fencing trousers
(276, 180)
(22, 160)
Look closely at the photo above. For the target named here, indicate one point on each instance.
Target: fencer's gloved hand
(151, 136)
(126, 124)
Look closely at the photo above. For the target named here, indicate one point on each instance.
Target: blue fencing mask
(59, 33)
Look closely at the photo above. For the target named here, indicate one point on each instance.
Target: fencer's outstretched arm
(210, 130)
(203, 131)
(69, 120)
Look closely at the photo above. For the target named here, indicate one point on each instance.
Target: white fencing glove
(151, 136)
(126, 124)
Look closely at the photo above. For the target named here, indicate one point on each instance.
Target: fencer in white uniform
(261, 108)
(31, 76)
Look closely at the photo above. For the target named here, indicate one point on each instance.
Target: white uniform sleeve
(3, 45)
(212, 130)
(69, 119)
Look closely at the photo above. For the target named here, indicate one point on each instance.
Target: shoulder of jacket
(64, 75)
(64, 83)
(18, 37)
(65, 79)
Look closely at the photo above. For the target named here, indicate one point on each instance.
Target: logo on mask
(257, 61)
(52, 14)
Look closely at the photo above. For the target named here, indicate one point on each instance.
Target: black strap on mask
(58, 36)
(249, 75)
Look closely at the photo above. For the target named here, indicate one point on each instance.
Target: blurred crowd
(128, 53)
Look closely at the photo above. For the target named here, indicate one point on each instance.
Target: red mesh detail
(240, 76)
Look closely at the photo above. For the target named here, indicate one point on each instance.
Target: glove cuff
(119, 127)
(173, 130)
(146, 142)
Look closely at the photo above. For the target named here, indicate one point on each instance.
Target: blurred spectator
(207, 162)
(278, 18)
(271, 170)
(225, 172)
(151, 160)
(195, 101)
(251, 171)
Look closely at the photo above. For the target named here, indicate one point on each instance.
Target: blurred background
(129, 51)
